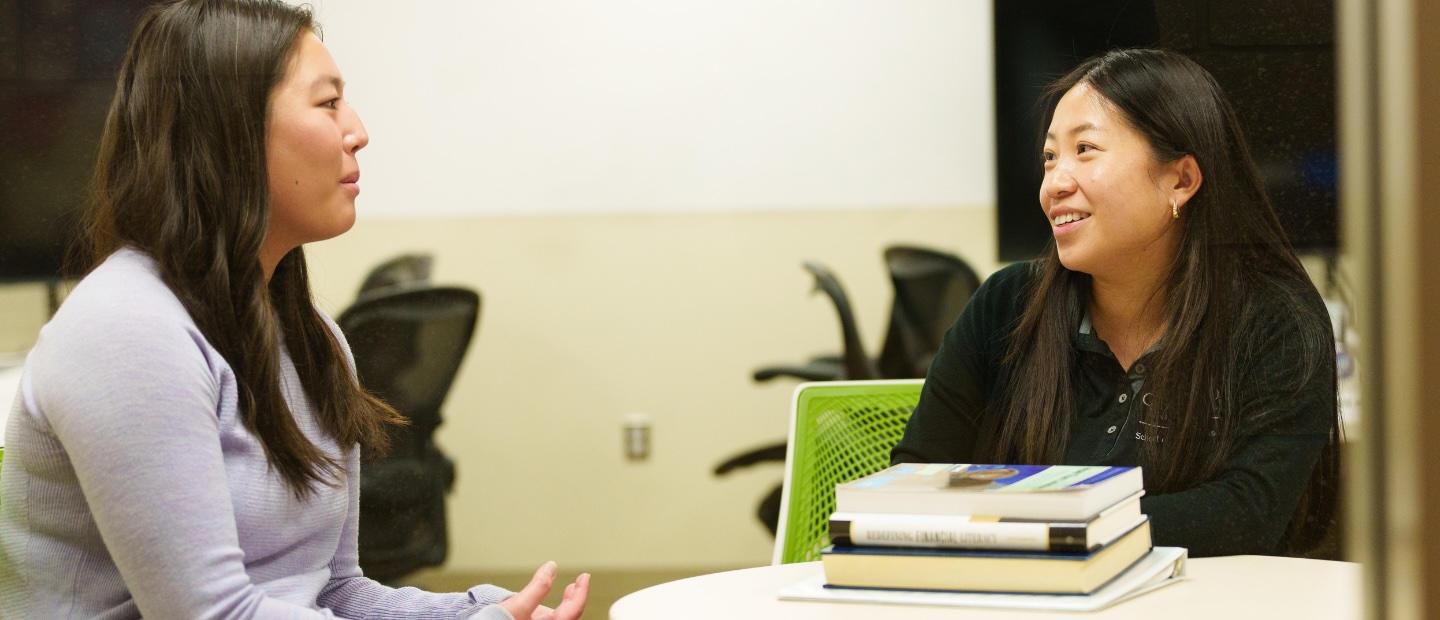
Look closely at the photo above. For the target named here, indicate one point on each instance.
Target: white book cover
(1157, 569)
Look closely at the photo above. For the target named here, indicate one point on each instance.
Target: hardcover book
(984, 571)
(985, 532)
(1052, 492)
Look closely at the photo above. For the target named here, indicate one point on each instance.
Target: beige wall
(23, 309)
(588, 318)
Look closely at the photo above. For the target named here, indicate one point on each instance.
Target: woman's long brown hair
(181, 176)
(1232, 252)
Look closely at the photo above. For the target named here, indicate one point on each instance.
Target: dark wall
(1274, 58)
(58, 62)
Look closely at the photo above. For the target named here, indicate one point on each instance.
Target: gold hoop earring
(1174, 209)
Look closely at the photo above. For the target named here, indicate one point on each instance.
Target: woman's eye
(1083, 148)
(1048, 156)
(332, 104)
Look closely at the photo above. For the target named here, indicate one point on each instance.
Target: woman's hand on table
(525, 605)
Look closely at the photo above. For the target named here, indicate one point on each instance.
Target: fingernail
(549, 568)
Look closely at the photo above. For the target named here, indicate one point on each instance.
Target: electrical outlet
(635, 435)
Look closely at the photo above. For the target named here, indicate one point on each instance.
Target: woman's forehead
(1084, 110)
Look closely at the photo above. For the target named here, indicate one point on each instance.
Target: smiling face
(311, 140)
(1107, 199)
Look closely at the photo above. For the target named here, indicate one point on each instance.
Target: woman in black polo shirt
(1168, 325)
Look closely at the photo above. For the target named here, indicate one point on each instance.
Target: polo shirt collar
(1086, 340)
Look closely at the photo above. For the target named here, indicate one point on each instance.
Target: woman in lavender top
(185, 442)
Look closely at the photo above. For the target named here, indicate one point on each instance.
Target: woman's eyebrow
(332, 80)
(1078, 129)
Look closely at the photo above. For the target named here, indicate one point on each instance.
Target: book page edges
(1159, 568)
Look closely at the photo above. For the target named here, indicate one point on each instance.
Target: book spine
(955, 532)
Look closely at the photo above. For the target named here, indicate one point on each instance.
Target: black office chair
(931, 289)
(408, 343)
(852, 363)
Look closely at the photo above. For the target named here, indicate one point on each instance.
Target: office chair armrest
(818, 369)
(772, 452)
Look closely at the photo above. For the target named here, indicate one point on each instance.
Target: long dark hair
(1232, 252)
(181, 176)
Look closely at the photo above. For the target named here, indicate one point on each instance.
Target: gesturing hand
(525, 605)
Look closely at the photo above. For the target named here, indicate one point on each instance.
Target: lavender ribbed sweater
(131, 488)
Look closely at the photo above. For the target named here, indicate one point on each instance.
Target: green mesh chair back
(839, 431)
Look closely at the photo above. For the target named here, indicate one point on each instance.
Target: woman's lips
(1067, 227)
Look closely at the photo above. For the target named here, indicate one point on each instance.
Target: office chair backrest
(856, 363)
(408, 343)
(406, 270)
(839, 431)
(931, 288)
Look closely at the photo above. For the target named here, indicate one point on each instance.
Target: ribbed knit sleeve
(132, 488)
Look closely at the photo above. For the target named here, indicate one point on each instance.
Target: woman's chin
(344, 221)
(1072, 260)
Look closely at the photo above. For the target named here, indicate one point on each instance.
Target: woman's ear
(1187, 179)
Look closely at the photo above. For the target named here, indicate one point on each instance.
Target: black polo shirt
(1244, 509)
(1109, 399)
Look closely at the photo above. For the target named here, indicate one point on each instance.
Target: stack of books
(987, 528)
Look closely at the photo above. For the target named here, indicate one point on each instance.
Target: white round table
(1224, 588)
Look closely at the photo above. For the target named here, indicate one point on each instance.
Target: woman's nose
(356, 137)
(1057, 182)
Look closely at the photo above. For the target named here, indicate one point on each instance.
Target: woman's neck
(1128, 313)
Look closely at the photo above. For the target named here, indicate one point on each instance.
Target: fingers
(573, 603)
(523, 604)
